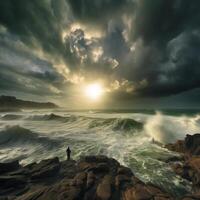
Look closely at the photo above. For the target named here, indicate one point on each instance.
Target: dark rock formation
(188, 166)
(6, 167)
(191, 145)
(91, 178)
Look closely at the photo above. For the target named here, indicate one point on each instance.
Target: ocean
(127, 136)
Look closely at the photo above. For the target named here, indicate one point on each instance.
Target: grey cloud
(155, 42)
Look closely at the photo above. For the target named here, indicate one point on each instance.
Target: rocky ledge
(90, 178)
(95, 178)
(188, 164)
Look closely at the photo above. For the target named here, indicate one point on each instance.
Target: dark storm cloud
(162, 20)
(146, 48)
(21, 71)
(33, 20)
(158, 30)
(98, 11)
(17, 81)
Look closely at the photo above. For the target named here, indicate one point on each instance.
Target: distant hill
(10, 102)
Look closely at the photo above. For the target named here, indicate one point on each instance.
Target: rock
(68, 169)
(142, 193)
(192, 144)
(92, 161)
(9, 167)
(91, 178)
(79, 179)
(84, 166)
(191, 197)
(95, 159)
(138, 193)
(99, 168)
(189, 145)
(12, 181)
(154, 190)
(179, 146)
(125, 171)
(120, 180)
(162, 198)
(189, 168)
(45, 169)
(104, 190)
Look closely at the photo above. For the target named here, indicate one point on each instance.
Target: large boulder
(192, 144)
(104, 189)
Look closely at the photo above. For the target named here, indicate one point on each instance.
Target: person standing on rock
(68, 153)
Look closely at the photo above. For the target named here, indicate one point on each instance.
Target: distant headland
(10, 103)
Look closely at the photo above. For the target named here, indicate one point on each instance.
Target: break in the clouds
(138, 48)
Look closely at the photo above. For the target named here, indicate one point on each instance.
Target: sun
(94, 91)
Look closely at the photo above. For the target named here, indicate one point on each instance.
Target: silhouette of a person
(68, 153)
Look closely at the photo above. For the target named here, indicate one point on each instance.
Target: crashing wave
(127, 124)
(52, 117)
(17, 134)
(117, 124)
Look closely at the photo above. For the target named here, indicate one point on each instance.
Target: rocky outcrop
(188, 165)
(190, 146)
(90, 178)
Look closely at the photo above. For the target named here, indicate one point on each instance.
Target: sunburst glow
(94, 91)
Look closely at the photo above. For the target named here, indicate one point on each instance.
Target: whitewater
(30, 136)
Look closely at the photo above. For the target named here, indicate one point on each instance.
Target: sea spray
(168, 129)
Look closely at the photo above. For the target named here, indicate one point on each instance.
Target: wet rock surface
(188, 165)
(90, 178)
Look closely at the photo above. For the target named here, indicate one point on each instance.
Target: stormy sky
(146, 52)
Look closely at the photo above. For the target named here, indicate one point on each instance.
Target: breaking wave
(117, 124)
(16, 134)
(168, 129)
(52, 117)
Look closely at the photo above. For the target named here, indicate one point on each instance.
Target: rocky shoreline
(188, 164)
(95, 178)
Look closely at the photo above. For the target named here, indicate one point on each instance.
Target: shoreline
(96, 177)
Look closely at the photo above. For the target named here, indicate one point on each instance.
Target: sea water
(31, 136)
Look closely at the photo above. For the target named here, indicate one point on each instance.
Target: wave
(168, 129)
(16, 134)
(11, 117)
(117, 124)
(127, 124)
(52, 117)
